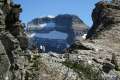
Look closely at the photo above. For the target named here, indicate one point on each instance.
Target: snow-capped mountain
(55, 33)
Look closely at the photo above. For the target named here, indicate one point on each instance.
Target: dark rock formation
(11, 43)
(105, 16)
(106, 28)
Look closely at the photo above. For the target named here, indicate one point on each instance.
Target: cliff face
(13, 41)
(106, 24)
(72, 25)
(106, 28)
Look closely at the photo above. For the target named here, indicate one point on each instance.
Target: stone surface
(102, 42)
(11, 61)
(4, 62)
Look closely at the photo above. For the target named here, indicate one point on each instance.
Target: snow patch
(31, 35)
(41, 26)
(84, 36)
(51, 16)
(52, 35)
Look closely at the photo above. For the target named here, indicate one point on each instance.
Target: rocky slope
(95, 58)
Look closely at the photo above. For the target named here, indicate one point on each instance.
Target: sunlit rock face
(56, 33)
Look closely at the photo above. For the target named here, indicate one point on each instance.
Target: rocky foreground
(95, 58)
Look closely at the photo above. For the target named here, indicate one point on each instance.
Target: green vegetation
(84, 70)
(33, 68)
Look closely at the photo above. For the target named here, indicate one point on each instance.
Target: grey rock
(4, 62)
(2, 23)
(11, 61)
(107, 67)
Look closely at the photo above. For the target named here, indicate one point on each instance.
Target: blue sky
(38, 8)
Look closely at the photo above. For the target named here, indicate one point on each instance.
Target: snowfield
(50, 35)
(41, 26)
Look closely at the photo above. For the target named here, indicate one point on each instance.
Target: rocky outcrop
(11, 44)
(48, 66)
(4, 62)
(102, 44)
(105, 30)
